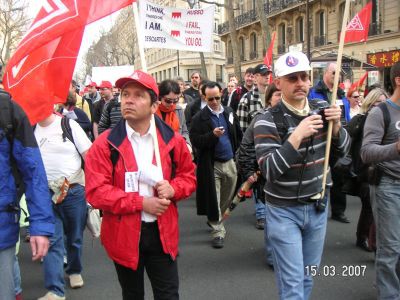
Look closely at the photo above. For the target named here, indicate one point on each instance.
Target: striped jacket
(281, 164)
(110, 116)
(249, 105)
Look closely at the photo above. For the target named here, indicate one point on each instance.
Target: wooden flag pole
(153, 129)
(334, 95)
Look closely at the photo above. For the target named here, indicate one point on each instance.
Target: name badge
(131, 182)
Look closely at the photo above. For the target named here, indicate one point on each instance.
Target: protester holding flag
(290, 141)
(139, 199)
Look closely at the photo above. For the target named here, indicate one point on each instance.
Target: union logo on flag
(355, 24)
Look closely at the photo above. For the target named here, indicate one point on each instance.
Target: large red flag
(357, 29)
(268, 54)
(39, 72)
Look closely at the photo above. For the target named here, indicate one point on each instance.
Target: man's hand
(334, 113)
(39, 246)
(306, 128)
(218, 131)
(155, 206)
(164, 189)
(252, 178)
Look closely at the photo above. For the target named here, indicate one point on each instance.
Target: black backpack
(7, 124)
(356, 131)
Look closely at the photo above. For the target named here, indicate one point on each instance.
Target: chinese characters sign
(176, 28)
(384, 59)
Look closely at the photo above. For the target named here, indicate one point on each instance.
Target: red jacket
(121, 225)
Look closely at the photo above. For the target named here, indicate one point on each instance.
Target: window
(253, 42)
(282, 38)
(241, 48)
(300, 29)
(340, 17)
(229, 50)
(321, 23)
(217, 46)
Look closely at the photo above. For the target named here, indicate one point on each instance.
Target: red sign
(384, 59)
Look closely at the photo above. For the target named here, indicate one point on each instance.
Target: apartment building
(288, 19)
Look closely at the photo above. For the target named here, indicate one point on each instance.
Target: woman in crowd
(170, 111)
(365, 228)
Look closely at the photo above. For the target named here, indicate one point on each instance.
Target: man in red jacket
(139, 199)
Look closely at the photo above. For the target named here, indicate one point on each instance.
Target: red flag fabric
(357, 29)
(360, 82)
(268, 54)
(39, 72)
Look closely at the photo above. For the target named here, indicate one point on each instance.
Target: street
(238, 271)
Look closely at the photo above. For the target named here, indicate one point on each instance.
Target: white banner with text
(176, 28)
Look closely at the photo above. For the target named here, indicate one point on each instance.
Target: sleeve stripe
(280, 155)
(276, 165)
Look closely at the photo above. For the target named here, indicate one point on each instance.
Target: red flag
(357, 29)
(360, 82)
(268, 54)
(39, 72)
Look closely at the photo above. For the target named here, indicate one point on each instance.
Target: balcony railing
(281, 49)
(248, 17)
(319, 40)
(253, 55)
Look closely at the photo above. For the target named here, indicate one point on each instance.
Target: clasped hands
(158, 205)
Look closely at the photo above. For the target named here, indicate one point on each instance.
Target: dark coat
(203, 139)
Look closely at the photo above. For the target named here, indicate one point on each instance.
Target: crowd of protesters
(133, 150)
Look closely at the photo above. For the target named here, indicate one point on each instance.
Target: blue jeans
(70, 218)
(385, 200)
(296, 235)
(7, 257)
(260, 206)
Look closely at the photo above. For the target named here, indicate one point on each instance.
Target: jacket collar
(118, 133)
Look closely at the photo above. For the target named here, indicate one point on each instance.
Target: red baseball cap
(105, 84)
(140, 77)
(92, 84)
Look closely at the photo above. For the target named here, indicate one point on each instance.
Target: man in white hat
(290, 141)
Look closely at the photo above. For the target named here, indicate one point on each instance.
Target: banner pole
(139, 36)
(334, 94)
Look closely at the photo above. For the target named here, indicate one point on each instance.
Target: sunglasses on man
(293, 78)
(211, 99)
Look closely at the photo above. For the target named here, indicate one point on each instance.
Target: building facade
(169, 63)
(288, 19)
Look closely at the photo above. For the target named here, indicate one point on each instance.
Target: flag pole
(153, 130)
(334, 95)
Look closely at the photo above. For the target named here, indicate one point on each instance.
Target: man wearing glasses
(216, 134)
(193, 91)
(290, 147)
(323, 90)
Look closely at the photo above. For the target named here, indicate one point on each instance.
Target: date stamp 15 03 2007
(336, 271)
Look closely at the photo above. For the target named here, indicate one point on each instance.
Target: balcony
(319, 40)
(253, 55)
(241, 20)
(281, 49)
(272, 6)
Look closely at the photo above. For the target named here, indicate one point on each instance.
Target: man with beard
(193, 91)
